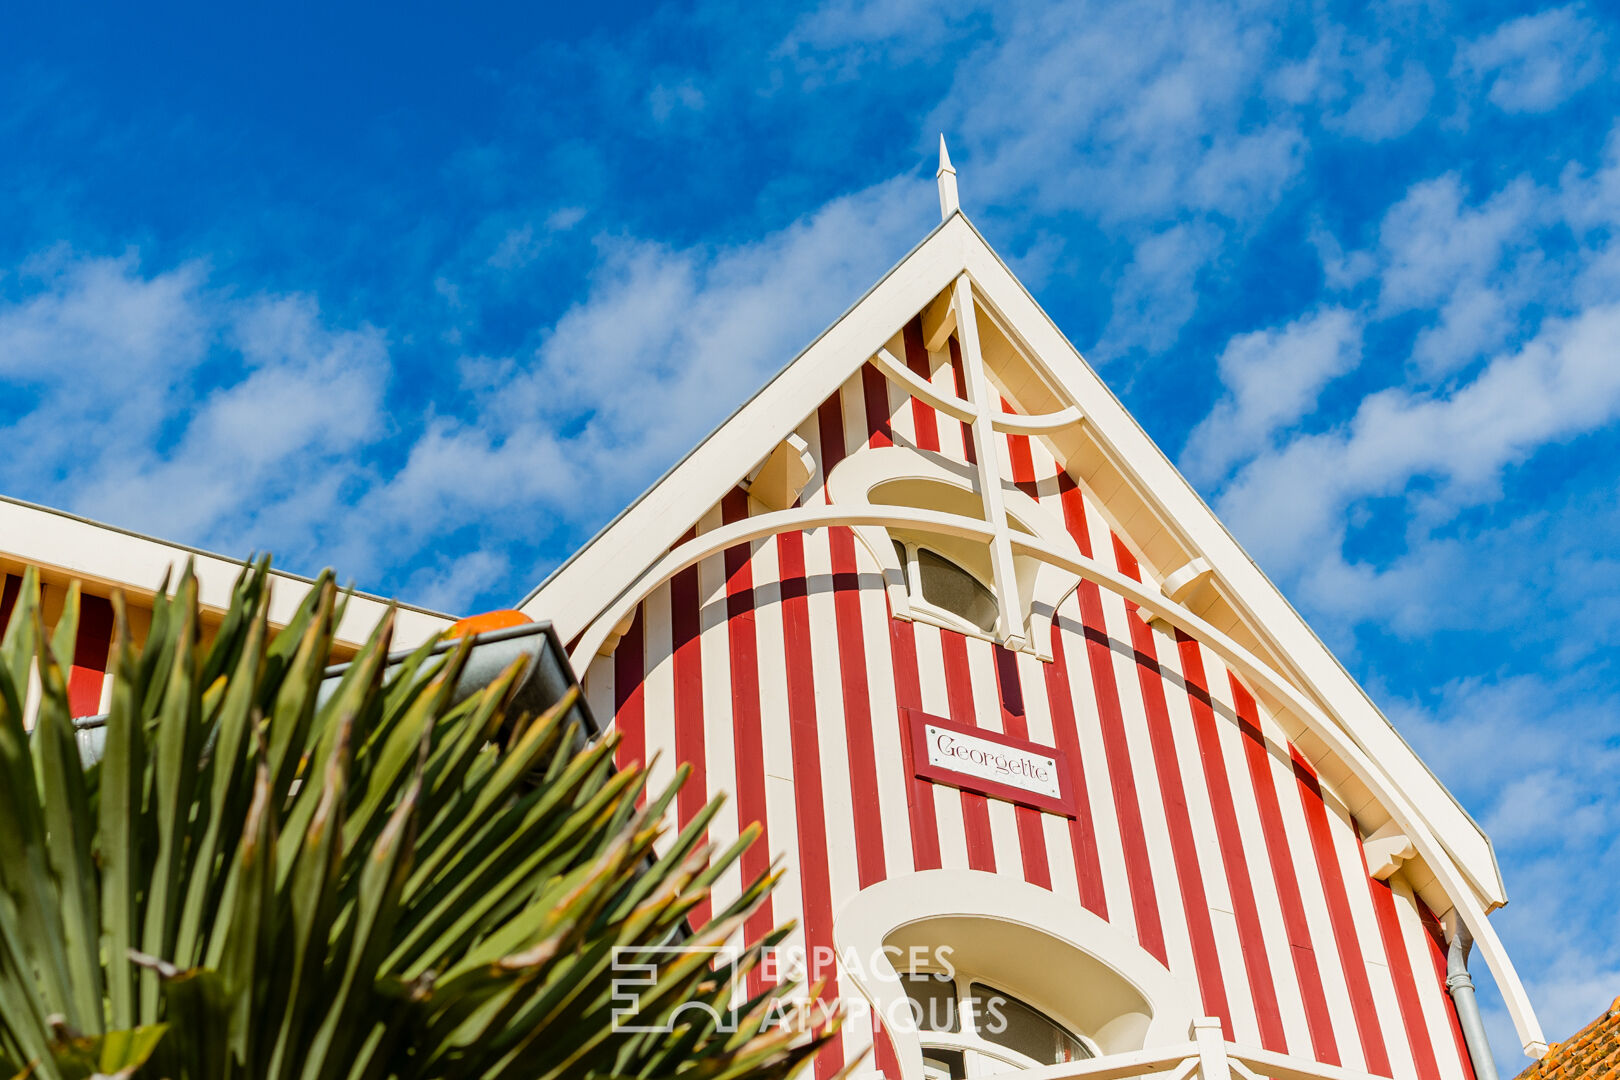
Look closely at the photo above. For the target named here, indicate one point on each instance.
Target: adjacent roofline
(94, 551)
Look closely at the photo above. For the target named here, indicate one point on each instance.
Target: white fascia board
(1309, 661)
(116, 558)
(590, 580)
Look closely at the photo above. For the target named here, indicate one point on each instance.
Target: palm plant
(253, 883)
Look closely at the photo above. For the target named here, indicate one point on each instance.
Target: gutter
(1460, 985)
(548, 678)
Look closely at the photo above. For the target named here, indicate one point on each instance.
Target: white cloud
(1430, 242)
(1156, 295)
(1131, 133)
(1292, 506)
(449, 582)
(1361, 87)
(1272, 378)
(663, 345)
(168, 408)
(1534, 63)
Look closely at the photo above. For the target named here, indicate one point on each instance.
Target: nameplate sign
(990, 763)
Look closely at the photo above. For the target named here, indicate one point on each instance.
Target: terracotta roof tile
(1593, 1053)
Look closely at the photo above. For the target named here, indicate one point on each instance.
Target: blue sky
(429, 297)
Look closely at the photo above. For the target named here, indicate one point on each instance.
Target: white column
(987, 450)
(1212, 1063)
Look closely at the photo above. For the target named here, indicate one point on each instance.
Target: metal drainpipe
(1460, 984)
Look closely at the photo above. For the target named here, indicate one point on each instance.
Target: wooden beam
(939, 320)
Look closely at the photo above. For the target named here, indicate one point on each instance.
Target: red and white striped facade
(776, 670)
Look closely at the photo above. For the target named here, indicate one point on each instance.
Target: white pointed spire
(948, 203)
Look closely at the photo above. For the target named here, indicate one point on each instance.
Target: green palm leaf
(257, 879)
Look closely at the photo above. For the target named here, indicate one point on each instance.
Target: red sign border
(916, 723)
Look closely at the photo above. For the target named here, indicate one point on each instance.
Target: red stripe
(1437, 953)
(923, 417)
(630, 694)
(1128, 811)
(888, 1062)
(1285, 877)
(1082, 838)
(1178, 819)
(8, 599)
(1256, 962)
(981, 849)
(807, 802)
(1400, 966)
(875, 391)
(1344, 927)
(919, 792)
(742, 638)
(686, 661)
(1122, 781)
(960, 374)
(90, 647)
(860, 752)
(1031, 833)
(1022, 460)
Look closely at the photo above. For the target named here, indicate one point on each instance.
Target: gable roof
(1593, 1053)
(582, 588)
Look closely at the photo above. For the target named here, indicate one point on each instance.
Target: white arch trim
(853, 480)
(1251, 667)
(1043, 424)
(958, 409)
(1130, 1000)
(949, 404)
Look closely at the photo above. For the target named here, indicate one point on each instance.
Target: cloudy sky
(430, 297)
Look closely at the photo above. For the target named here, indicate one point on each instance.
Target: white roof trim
(54, 540)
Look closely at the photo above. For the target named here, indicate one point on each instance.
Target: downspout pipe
(1460, 985)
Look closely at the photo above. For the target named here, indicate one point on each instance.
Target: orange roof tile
(1593, 1053)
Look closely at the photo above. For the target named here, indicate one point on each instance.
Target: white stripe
(719, 749)
(658, 692)
(1268, 902)
(1431, 995)
(1365, 918)
(1150, 800)
(1099, 787)
(947, 801)
(981, 662)
(1323, 941)
(1207, 844)
(893, 783)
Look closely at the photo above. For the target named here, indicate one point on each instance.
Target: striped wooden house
(1059, 780)
(1037, 742)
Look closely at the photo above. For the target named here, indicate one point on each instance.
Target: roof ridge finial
(946, 177)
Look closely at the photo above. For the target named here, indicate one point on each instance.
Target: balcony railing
(1205, 1056)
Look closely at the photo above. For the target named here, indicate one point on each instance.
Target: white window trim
(924, 611)
(872, 916)
(970, 1039)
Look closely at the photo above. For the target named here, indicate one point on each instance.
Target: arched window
(970, 1028)
(945, 589)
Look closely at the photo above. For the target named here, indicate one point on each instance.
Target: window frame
(928, 611)
(975, 1047)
